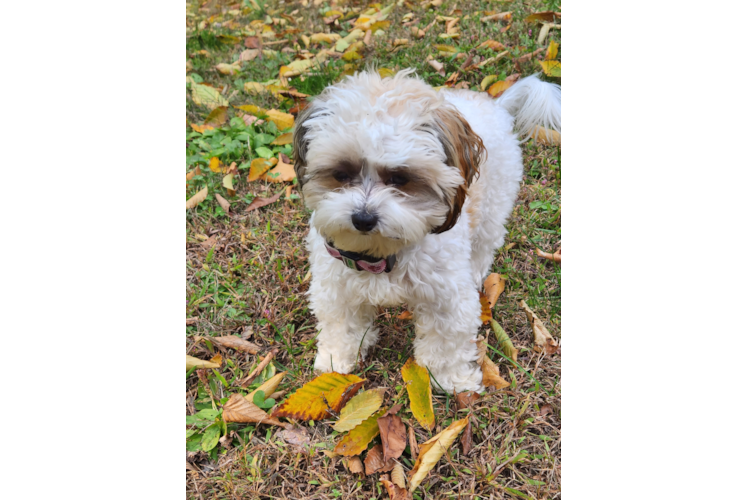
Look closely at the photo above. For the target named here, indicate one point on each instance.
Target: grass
(247, 274)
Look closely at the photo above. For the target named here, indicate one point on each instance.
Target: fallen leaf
(360, 436)
(499, 88)
(355, 466)
(238, 409)
(252, 42)
(529, 56)
(493, 45)
(547, 136)
(493, 285)
(229, 69)
(491, 374)
(501, 16)
(466, 399)
(418, 384)
(432, 450)
(254, 87)
(283, 172)
(398, 475)
(259, 202)
(545, 409)
(555, 257)
(439, 67)
(386, 73)
(485, 308)
(283, 139)
(192, 173)
(325, 37)
(236, 343)
(296, 436)
(249, 55)
(258, 369)
(198, 198)
(413, 443)
(375, 461)
(217, 117)
(358, 409)
(405, 315)
(268, 387)
(467, 439)
(281, 119)
(228, 183)
(259, 166)
(488, 81)
(204, 95)
(394, 491)
(542, 337)
(505, 343)
(215, 165)
(551, 68)
(544, 30)
(311, 401)
(193, 362)
(552, 52)
(548, 16)
(392, 431)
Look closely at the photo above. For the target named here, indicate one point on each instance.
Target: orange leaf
(283, 139)
(499, 88)
(260, 202)
(215, 165)
(360, 436)
(311, 401)
(405, 315)
(485, 308)
(259, 166)
(493, 286)
(192, 173)
(201, 128)
(283, 172)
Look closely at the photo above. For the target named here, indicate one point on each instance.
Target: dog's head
(383, 162)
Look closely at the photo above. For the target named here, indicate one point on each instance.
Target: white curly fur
(379, 123)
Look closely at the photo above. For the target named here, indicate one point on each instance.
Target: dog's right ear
(301, 144)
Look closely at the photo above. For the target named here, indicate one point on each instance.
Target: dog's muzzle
(362, 262)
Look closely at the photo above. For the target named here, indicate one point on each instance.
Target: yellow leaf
(228, 183)
(254, 87)
(359, 409)
(311, 401)
(283, 172)
(485, 308)
(217, 117)
(198, 198)
(446, 48)
(238, 409)
(207, 96)
(542, 337)
(417, 381)
(488, 81)
(259, 166)
(379, 25)
(505, 343)
(199, 363)
(281, 119)
(215, 165)
(268, 387)
(360, 436)
(324, 37)
(546, 136)
(433, 449)
(283, 139)
(201, 128)
(386, 73)
(493, 286)
(551, 68)
(251, 108)
(499, 88)
(400, 41)
(351, 55)
(229, 69)
(552, 51)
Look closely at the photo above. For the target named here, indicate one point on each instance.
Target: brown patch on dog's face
(408, 180)
(464, 150)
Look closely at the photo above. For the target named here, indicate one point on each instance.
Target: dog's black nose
(364, 221)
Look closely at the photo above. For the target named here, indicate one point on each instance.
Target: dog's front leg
(445, 335)
(345, 333)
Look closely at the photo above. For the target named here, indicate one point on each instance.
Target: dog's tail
(533, 102)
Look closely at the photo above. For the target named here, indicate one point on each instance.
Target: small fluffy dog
(410, 189)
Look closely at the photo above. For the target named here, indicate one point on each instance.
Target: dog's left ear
(301, 145)
(464, 150)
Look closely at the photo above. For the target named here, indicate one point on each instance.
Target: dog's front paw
(458, 378)
(328, 361)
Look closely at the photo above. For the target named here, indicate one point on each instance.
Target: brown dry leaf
(547, 16)
(283, 172)
(296, 436)
(432, 450)
(529, 56)
(283, 139)
(400, 41)
(259, 166)
(542, 337)
(235, 343)
(398, 475)
(198, 198)
(493, 45)
(466, 399)
(485, 308)
(392, 431)
(467, 439)
(192, 173)
(394, 491)
(439, 67)
(360, 436)
(238, 409)
(268, 387)
(249, 54)
(418, 385)
(545, 409)
(493, 286)
(217, 117)
(555, 257)
(413, 443)
(405, 315)
(199, 363)
(311, 401)
(355, 466)
(253, 42)
(375, 461)
(501, 16)
(259, 202)
(491, 375)
(547, 136)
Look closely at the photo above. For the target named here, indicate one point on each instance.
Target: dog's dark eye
(341, 176)
(397, 180)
